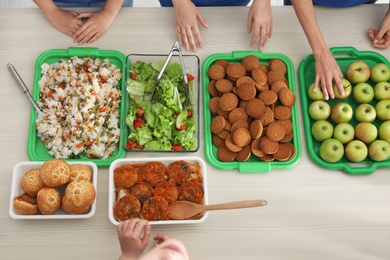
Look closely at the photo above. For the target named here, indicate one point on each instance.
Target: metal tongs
(175, 47)
(24, 88)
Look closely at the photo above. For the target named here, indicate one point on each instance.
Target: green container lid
(253, 164)
(306, 74)
(36, 149)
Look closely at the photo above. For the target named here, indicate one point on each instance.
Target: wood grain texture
(312, 213)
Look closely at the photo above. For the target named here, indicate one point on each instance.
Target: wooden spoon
(186, 209)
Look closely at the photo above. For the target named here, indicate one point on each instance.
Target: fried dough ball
(31, 182)
(82, 193)
(55, 172)
(25, 204)
(80, 172)
(49, 200)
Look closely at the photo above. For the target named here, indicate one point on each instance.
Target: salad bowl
(168, 124)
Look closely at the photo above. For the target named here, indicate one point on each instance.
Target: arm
(98, 22)
(381, 38)
(130, 240)
(187, 16)
(260, 22)
(327, 68)
(65, 21)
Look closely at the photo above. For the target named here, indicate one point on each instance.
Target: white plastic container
(18, 172)
(165, 160)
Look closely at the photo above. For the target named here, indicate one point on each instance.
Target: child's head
(170, 249)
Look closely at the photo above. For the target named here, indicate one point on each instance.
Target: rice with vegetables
(80, 101)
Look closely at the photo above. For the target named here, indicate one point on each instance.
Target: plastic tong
(175, 48)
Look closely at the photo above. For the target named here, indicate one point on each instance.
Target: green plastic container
(36, 149)
(306, 73)
(253, 164)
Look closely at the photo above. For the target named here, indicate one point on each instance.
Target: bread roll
(79, 172)
(49, 200)
(31, 182)
(25, 204)
(82, 193)
(55, 172)
(68, 206)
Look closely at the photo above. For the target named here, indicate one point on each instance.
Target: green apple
(315, 95)
(382, 90)
(341, 113)
(322, 130)
(319, 109)
(379, 150)
(384, 131)
(347, 89)
(358, 72)
(331, 150)
(356, 151)
(344, 132)
(366, 132)
(365, 113)
(380, 72)
(363, 93)
(383, 109)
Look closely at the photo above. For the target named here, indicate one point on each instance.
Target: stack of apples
(357, 125)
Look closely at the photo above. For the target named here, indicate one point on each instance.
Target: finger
(263, 37)
(201, 19)
(249, 25)
(95, 37)
(339, 84)
(198, 38)
(324, 89)
(379, 36)
(179, 38)
(84, 15)
(147, 234)
(255, 35)
(140, 225)
(190, 39)
(329, 88)
(185, 40)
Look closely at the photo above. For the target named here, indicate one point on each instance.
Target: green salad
(165, 123)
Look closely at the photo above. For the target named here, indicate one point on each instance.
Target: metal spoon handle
(23, 87)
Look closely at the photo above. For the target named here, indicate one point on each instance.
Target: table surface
(312, 213)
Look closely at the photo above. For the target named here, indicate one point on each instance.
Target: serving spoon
(24, 88)
(185, 209)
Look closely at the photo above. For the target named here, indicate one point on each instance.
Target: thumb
(379, 36)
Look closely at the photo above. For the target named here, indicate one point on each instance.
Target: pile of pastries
(56, 184)
(251, 105)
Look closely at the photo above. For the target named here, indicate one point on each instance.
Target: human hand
(381, 38)
(65, 21)
(130, 240)
(160, 238)
(260, 22)
(187, 28)
(327, 71)
(96, 25)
